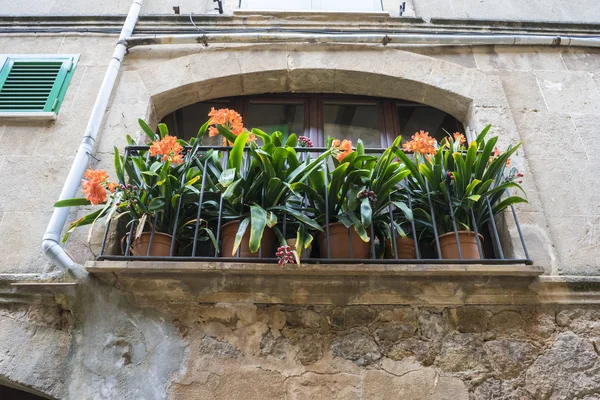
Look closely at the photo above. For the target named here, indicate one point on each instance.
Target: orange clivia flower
(459, 137)
(343, 149)
(421, 143)
(168, 148)
(93, 185)
(111, 186)
(230, 119)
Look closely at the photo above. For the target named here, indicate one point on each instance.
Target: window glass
(306, 5)
(283, 117)
(352, 122)
(422, 118)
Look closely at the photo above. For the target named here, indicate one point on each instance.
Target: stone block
(566, 191)
(32, 183)
(21, 234)
(588, 132)
(579, 245)
(423, 384)
(567, 370)
(21, 44)
(460, 55)
(517, 58)
(19, 139)
(358, 347)
(548, 136)
(581, 59)
(94, 50)
(509, 358)
(571, 92)
(320, 386)
(522, 91)
(461, 353)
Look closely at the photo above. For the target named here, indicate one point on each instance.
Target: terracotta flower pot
(161, 245)
(340, 243)
(228, 232)
(468, 245)
(405, 247)
(305, 253)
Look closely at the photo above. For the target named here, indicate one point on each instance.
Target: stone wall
(385, 352)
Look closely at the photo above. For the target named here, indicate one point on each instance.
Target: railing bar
(414, 230)
(394, 246)
(102, 247)
(494, 229)
(459, 247)
(327, 208)
(152, 234)
(512, 207)
(350, 239)
(217, 252)
(199, 213)
(373, 242)
(479, 248)
(173, 239)
(435, 231)
(129, 239)
(488, 261)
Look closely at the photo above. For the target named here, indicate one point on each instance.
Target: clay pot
(305, 253)
(405, 247)
(161, 245)
(228, 232)
(468, 245)
(340, 243)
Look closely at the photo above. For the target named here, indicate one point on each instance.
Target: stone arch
(381, 72)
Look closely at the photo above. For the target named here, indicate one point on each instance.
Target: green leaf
(147, 130)
(227, 177)
(240, 233)
(119, 166)
(236, 155)
(164, 131)
(156, 204)
(365, 212)
(72, 203)
(258, 217)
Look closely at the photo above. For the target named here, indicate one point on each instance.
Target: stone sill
(340, 284)
(27, 116)
(313, 15)
(415, 270)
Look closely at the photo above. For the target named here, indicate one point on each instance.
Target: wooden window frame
(388, 119)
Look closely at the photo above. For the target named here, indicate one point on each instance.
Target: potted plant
(353, 198)
(457, 186)
(260, 186)
(154, 189)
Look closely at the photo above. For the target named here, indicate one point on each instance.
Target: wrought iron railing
(493, 252)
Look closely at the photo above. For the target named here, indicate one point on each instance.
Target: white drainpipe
(51, 242)
(289, 36)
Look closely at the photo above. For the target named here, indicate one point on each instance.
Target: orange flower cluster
(344, 148)
(459, 137)
(421, 143)
(169, 149)
(229, 119)
(497, 152)
(93, 185)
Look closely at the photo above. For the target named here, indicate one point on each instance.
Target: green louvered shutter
(34, 84)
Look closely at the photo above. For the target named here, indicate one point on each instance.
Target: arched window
(375, 121)
(9, 393)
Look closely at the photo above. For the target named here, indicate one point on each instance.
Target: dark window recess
(8, 393)
(34, 85)
(373, 120)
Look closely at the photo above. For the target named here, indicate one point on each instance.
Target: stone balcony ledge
(341, 284)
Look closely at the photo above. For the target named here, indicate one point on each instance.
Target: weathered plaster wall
(587, 11)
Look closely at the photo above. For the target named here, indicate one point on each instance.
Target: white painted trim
(28, 116)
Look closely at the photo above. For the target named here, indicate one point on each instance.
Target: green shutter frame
(34, 84)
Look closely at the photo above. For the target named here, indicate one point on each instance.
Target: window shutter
(34, 85)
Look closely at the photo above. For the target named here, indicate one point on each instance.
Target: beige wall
(549, 98)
